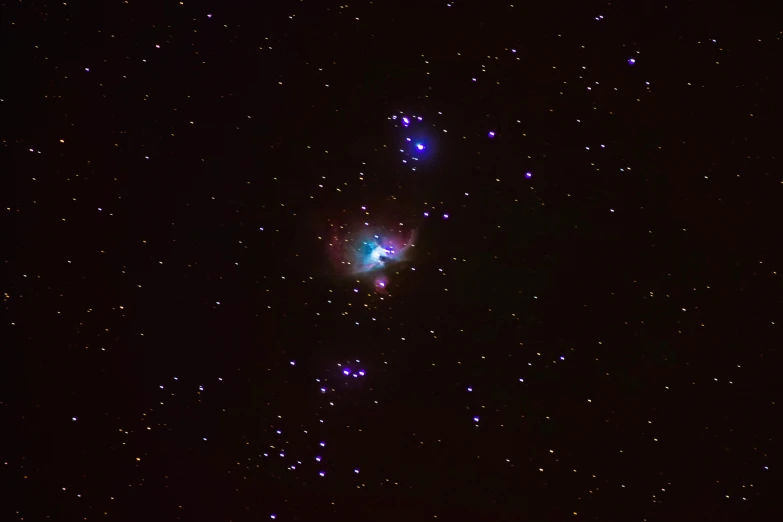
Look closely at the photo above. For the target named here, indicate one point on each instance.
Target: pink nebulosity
(380, 285)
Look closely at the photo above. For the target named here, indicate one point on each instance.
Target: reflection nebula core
(370, 252)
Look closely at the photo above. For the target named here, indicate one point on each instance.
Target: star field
(391, 261)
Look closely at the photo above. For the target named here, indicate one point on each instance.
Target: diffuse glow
(377, 251)
(374, 254)
(365, 252)
(368, 252)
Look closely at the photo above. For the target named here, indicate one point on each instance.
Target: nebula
(377, 252)
(370, 251)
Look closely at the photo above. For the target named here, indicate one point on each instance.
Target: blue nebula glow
(528, 175)
(369, 253)
(491, 134)
(631, 61)
(374, 254)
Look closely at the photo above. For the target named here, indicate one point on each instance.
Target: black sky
(172, 301)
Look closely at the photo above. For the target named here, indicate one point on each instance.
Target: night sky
(391, 261)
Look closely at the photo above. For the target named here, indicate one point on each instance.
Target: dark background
(666, 311)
